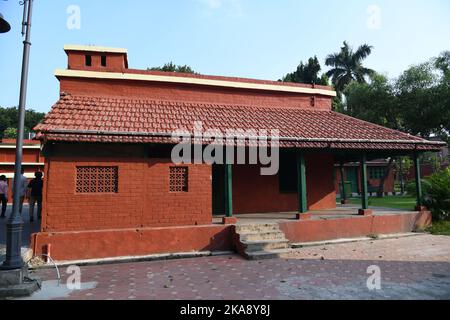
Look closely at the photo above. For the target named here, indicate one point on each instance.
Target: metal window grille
(97, 180)
(178, 179)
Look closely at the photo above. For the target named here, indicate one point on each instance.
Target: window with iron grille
(178, 179)
(97, 180)
(376, 172)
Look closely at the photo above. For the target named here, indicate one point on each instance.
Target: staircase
(261, 241)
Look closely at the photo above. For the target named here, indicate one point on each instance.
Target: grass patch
(396, 202)
(440, 228)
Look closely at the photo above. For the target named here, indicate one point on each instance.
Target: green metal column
(343, 195)
(418, 181)
(228, 190)
(364, 194)
(301, 183)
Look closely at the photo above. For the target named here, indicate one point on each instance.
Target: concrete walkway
(409, 268)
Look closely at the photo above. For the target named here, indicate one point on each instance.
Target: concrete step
(266, 254)
(257, 227)
(255, 236)
(251, 246)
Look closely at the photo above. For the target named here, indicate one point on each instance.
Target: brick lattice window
(97, 180)
(178, 179)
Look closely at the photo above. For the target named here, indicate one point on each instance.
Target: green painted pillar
(301, 183)
(343, 195)
(418, 179)
(364, 193)
(228, 190)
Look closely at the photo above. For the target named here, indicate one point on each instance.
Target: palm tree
(347, 66)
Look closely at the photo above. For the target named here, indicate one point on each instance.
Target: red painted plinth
(365, 212)
(229, 220)
(303, 216)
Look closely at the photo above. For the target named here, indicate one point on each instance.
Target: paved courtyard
(416, 267)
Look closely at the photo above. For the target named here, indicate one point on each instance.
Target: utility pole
(14, 279)
(14, 225)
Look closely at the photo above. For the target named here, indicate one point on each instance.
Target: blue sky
(261, 39)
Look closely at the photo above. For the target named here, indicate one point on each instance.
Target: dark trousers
(4, 202)
(32, 202)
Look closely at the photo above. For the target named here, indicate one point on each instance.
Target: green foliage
(440, 228)
(421, 92)
(374, 102)
(10, 133)
(347, 66)
(437, 193)
(406, 165)
(410, 188)
(171, 67)
(307, 73)
(337, 104)
(9, 116)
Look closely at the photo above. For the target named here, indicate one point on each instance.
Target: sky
(261, 39)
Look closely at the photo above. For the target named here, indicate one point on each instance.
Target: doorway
(218, 182)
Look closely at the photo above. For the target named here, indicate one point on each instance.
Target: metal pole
(14, 224)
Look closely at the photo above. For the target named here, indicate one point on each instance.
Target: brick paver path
(415, 267)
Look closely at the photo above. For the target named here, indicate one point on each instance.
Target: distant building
(32, 159)
(375, 172)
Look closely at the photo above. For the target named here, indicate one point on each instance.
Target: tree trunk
(383, 179)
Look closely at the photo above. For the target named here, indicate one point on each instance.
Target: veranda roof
(108, 119)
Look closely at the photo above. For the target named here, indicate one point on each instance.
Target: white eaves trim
(188, 80)
(75, 47)
(23, 163)
(10, 175)
(10, 146)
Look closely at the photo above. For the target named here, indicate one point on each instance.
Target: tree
(374, 101)
(402, 166)
(9, 116)
(307, 73)
(420, 93)
(171, 67)
(346, 66)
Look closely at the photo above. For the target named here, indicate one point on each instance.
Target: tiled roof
(104, 119)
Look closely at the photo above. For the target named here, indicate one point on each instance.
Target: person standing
(3, 195)
(35, 195)
(23, 185)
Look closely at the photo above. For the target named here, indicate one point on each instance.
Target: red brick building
(112, 189)
(32, 159)
(352, 177)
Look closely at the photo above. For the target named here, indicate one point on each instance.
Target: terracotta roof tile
(78, 118)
